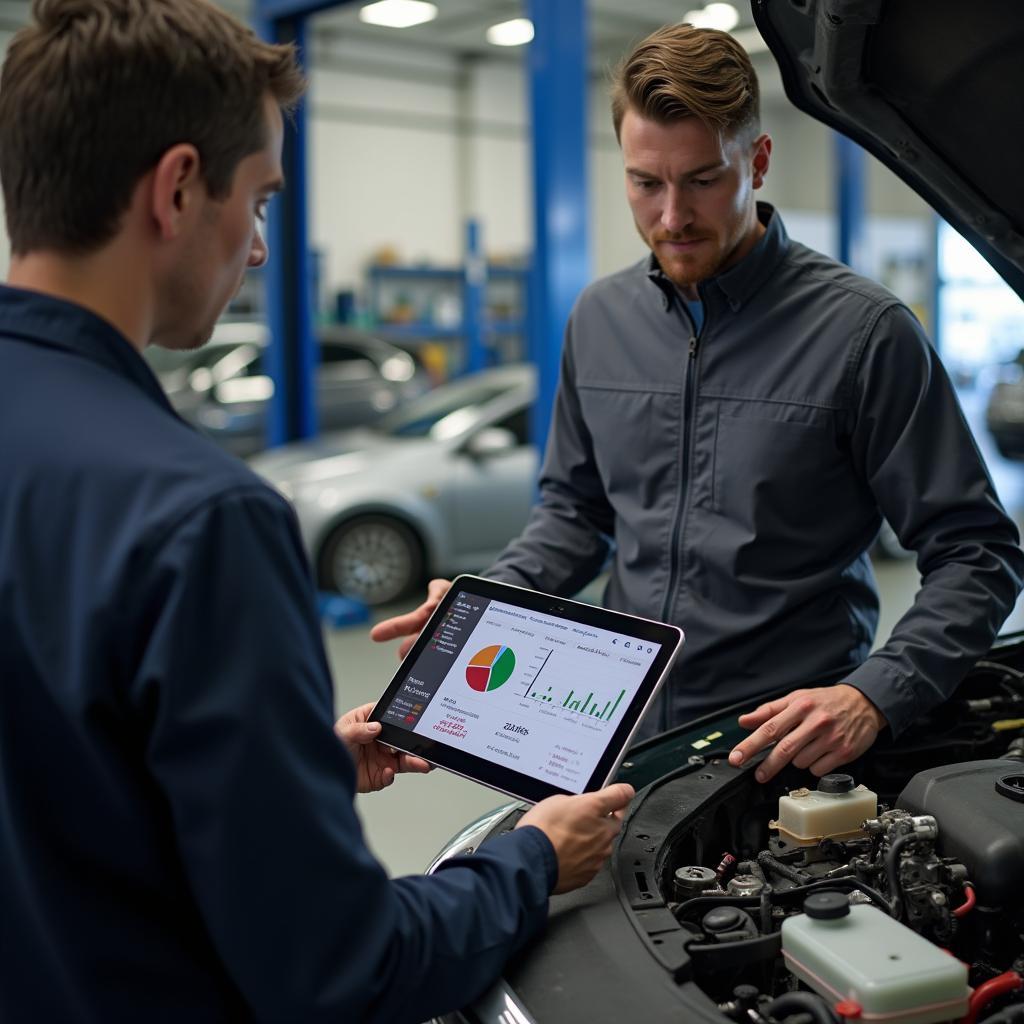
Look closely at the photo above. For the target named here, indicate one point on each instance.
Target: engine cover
(981, 823)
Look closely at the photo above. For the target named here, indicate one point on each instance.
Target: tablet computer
(529, 694)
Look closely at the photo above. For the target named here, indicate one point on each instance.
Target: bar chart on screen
(595, 705)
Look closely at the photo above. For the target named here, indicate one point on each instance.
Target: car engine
(845, 901)
(891, 891)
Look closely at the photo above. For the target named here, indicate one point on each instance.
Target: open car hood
(933, 90)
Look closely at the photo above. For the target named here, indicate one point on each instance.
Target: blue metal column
(561, 254)
(935, 283)
(474, 287)
(850, 182)
(292, 355)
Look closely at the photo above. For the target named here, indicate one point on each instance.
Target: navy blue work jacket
(177, 835)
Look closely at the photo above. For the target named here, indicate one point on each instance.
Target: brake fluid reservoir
(834, 810)
(860, 954)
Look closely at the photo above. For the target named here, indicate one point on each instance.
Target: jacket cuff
(541, 852)
(890, 691)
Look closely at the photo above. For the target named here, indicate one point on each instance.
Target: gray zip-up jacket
(743, 472)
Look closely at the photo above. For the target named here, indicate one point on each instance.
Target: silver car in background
(223, 388)
(437, 487)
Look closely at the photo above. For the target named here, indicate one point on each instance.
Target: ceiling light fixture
(717, 15)
(398, 13)
(511, 33)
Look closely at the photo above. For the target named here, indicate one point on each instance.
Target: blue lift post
(851, 166)
(292, 354)
(474, 288)
(561, 252)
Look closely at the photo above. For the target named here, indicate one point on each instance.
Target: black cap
(722, 919)
(835, 783)
(1011, 786)
(827, 906)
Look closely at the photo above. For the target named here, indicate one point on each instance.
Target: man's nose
(676, 214)
(259, 251)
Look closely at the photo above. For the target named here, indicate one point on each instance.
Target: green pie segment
(490, 668)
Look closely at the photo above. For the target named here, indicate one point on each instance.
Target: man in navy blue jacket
(177, 835)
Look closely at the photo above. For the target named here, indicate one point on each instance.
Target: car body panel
(463, 505)
(924, 88)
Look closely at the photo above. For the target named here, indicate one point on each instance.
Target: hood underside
(934, 90)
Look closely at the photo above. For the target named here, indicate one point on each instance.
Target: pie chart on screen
(489, 668)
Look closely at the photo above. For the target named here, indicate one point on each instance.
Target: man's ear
(176, 184)
(762, 157)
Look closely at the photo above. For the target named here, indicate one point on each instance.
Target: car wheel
(374, 558)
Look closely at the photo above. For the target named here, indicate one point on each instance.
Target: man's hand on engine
(818, 729)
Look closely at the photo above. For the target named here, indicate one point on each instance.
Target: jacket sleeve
(236, 700)
(913, 446)
(567, 539)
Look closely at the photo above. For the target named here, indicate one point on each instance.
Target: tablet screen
(538, 692)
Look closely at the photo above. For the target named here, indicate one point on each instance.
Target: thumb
(613, 798)
(362, 733)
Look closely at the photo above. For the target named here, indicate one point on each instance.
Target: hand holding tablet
(529, 694)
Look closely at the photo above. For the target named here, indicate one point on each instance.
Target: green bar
(567, 699)
(605, 712)
(619, 698)
(586, 702)
(574, 706)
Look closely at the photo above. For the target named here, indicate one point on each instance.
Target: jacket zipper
(691, 378)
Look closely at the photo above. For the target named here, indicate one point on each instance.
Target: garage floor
(408, 823)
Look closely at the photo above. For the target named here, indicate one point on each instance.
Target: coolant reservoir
(834, 810)
(860, 955)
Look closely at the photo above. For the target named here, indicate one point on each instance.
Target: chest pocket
(779, 472)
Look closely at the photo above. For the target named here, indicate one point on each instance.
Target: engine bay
(892, 891)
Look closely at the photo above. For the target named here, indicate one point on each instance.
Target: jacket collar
(740, 282)
(55, 323)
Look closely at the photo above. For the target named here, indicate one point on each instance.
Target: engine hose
(892, 862)
(767, 862)
(766, 908)
(801, 1002)
(838, 883)
(1008, 981)
(995, 666)
(969, 901)
(769, 896)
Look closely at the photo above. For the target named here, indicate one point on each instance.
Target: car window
(439, 409)
(348, 367)
(519, 424)
(332, 352)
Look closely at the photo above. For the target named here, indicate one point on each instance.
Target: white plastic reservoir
(834, 810)
(860, 954)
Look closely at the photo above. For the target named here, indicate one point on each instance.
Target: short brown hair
(681, 71)
(94, 92)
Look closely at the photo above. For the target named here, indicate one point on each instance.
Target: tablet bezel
(497, 776)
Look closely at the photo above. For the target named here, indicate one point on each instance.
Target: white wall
(407, 145)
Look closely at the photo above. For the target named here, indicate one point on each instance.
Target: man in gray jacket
(737, 413)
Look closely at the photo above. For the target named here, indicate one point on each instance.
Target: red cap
(849, 1009)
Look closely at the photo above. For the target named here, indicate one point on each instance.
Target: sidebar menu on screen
(426, 675)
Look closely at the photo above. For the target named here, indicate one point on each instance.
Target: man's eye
(261, 209)
(704, 182)
(645, 184)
